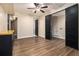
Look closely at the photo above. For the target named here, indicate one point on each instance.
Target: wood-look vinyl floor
(42, 47)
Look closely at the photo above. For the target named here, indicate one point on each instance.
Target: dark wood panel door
(36, 27)
(48, 27)
(72, 26)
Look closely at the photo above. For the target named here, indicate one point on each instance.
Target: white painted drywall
(58, 26)
(41, 22)
(3, 20)
(24, 25)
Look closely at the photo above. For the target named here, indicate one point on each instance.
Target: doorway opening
(14, 27)
(36, 28)
(58, 25)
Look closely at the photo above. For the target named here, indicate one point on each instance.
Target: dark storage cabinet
(5, 45)
(72, 26)
(48, 26)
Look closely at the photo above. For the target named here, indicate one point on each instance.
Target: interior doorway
(36, 27)
(58, 25)
(14, 27)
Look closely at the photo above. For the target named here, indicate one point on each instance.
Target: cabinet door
(72, 26)
(48, 27)
(5, 45)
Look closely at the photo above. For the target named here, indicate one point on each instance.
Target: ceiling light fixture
(39, 7)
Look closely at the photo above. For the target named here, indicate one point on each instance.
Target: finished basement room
(39, 29)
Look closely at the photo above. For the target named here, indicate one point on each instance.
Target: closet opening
(58, 25)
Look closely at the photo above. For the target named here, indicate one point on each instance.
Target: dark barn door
(72, 26)
(36, 27)
(48, 27)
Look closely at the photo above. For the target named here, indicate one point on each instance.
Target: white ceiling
(8, 7)
(60, 13)
(22, 7)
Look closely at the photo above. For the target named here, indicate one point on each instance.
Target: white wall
(3, 20)
(24, 26)
(58, 26)
(41, 26)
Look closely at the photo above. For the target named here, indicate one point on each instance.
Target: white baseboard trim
(42, 36)
(24, 37)
(59, 37)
